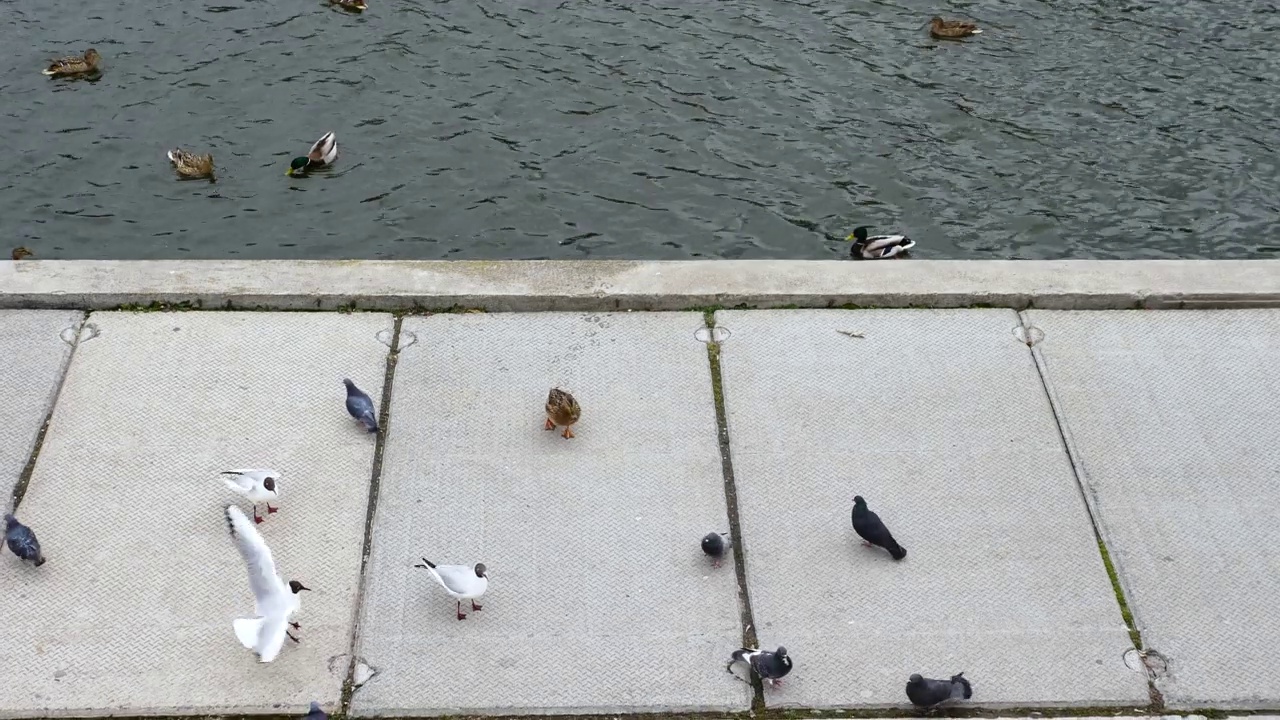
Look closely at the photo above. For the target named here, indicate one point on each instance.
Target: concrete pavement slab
(1173, 418)
(131, 615)
(939, 419)
(601, 599)
(33, 354)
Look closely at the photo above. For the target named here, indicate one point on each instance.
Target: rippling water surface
(634, 129)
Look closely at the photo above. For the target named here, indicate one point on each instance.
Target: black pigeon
(927, 692)
(360, 406)
(716, 545)
(867, 524)
(771, 666)
(22, 541)
(316, 713)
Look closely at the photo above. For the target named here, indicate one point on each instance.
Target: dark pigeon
(926, 692)
(22, 541)
(867, 524)
(316, 713)
(771, 666)
(360, 406)
(716, 545)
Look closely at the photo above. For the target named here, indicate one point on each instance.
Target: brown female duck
(74, 65)
(562, 409)
(952, 29)
(191, 165)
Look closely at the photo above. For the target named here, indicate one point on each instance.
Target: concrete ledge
(588, 285)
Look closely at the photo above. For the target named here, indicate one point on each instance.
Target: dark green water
(585, 128)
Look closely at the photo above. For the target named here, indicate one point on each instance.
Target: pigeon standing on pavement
(770, 666)
(360, 406)
(274, 602)
(316, 713)
(873, 532)
(260, 486)
(463, 582)
(22, 541)
(715, 545)
(926, 692)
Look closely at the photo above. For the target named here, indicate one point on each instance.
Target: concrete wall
(502, 286)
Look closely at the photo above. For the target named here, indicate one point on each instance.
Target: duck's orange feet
(550, 425)
(566, 434)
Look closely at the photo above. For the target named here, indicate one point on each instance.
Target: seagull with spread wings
(274, 602)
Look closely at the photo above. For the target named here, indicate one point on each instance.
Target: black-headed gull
(260, 486)
(274, 602)
(463, 582)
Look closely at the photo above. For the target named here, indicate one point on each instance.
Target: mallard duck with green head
(191, 165)
(952, 29)
(74, 64)
(878, 247)
(562, 409)
(350, 5)
(322, 154)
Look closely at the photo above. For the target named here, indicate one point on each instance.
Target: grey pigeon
(715, 545)
(316, 713)
(771, 666)
(360, 406)
(22, 541)
(867, 524)
(926, 692)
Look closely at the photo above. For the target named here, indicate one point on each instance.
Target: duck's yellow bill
(851, 237)
(289, 172)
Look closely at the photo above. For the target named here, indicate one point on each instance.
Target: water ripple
(647, 129)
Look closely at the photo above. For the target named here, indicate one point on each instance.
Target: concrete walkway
(998, 465)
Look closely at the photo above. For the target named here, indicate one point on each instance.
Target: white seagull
(274, 602)
(463, 582)
(260, 486)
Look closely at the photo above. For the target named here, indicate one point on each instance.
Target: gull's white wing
(271, 637)
(270, 594)
(238, 481)
(253, 475)
(461, 579)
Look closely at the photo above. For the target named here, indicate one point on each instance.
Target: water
(660, 130)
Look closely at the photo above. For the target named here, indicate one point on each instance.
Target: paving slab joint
(351, 683)
(159, 306)
(749, 637)
(72, 335)
(1032, 337)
